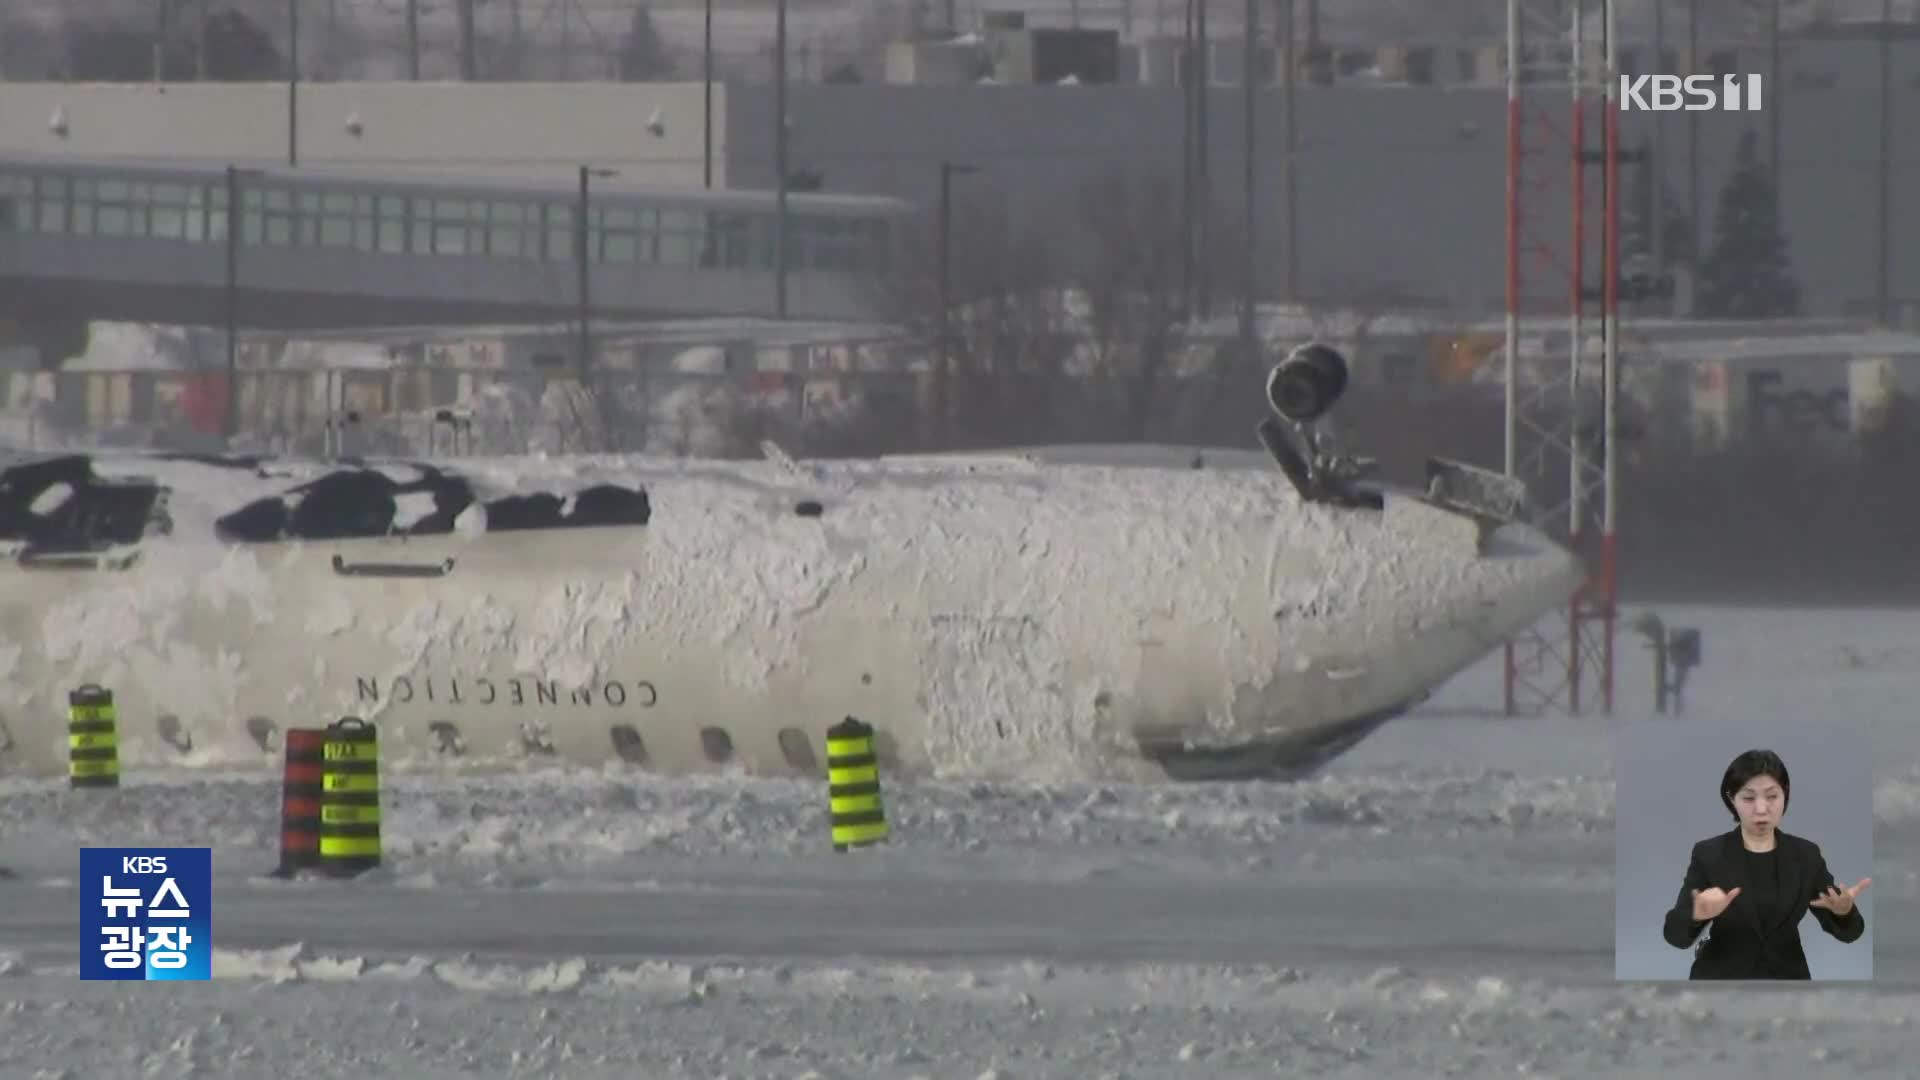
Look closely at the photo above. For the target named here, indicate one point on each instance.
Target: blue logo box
(146, 913)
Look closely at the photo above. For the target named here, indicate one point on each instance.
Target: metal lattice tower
(1563, 258)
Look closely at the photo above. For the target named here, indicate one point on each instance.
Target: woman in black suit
(1755, 883)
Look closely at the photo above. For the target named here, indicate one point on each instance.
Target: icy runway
(1439, 904)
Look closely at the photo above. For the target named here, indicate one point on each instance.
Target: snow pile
(813, 1022)
(1440, 903)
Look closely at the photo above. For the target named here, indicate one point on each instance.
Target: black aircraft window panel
(601, 504)
(354, 504)
(541, 511)
(607, 504)
(628, 744)
(339, 506)
(61, 504)
(257, 522)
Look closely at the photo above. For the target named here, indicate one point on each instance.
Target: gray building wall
(651, 132)
(1398, 187)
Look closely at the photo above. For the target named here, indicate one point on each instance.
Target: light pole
(780, 158)
(235, 224)
(582, 235)
(943, 363)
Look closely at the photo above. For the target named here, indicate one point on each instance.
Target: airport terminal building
(1399, 188)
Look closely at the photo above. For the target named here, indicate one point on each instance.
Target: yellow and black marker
(853, 786)
(93, 740)
(350, 799)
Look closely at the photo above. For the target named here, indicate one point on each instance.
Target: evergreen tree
(1747, 273)
(1636, 215)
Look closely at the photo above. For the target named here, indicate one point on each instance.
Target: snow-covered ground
(1440, 903)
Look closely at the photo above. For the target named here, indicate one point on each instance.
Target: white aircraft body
(1130, 612)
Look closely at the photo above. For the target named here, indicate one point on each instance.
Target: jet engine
(1304, 386)
(1301, 390)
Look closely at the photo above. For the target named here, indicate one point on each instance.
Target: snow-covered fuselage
(986, 616)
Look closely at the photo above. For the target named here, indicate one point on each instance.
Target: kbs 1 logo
(1695, 93)
(146, 913)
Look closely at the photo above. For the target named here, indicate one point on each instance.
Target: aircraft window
(446, 738)
(174, 733)
(628, 744)
(61, 505)
(262, 730)
(717, 744)
(798, 750)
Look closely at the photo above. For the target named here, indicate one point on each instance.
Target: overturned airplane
(1092, 611)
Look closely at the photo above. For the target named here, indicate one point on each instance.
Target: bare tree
(1004, 335)
(1128, 277)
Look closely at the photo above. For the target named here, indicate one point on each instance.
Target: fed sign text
(1695, 93)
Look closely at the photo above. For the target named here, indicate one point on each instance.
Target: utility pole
(1778, 91)
(1656, 169)
(293, 83)
(1290, 144)
(1695, 243)
(200, 54)
(1249, 246)
(706, 115)
(413, 39)
(1883, 298)
(464, 10)
(160, 41)
(781, 224)
(1187, 180)
(236, 225)
(943, 369)
(583, 344)
(1203, 167)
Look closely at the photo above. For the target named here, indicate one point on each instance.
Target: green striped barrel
(853, 786)
(93, 740)
(350, 799)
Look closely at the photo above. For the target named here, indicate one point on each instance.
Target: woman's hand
(1835, 899)
(1709, 903)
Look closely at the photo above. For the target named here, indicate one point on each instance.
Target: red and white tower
(1563, 228)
